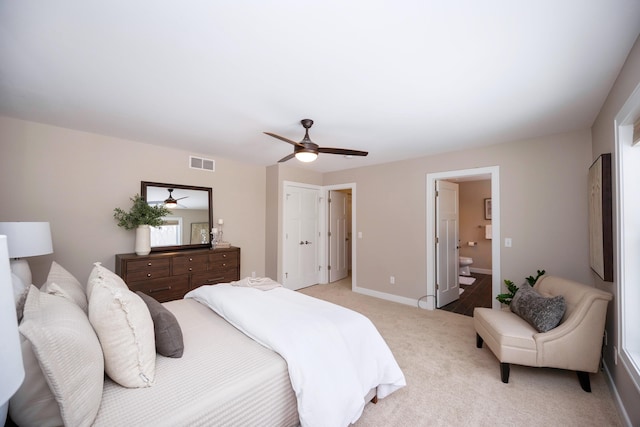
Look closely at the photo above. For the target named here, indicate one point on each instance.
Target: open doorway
(479, 174)
(339, 247)
(472, 266)
(340, 226)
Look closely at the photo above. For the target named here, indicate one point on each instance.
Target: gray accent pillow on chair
(167, 331)
(542, 313)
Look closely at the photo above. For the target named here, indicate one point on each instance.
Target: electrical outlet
(507, 242)
(253, 274)
(392, 280)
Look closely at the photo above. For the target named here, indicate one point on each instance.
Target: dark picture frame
(487, 208)
(198, 230)
(601, 218)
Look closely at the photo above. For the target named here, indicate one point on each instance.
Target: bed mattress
(223, 378)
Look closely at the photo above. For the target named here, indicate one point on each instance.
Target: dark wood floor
(476, 295)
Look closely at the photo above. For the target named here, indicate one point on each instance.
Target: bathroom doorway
(473, 267)
(479, 208)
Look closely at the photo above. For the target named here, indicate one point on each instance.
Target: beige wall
(471, 195)
(603, 142)
(543, 188)
(75, 179)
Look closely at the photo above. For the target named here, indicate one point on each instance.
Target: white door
(446, 243)
(301, 237)
(338, 236)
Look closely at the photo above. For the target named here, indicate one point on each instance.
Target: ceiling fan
(307, 151)
(169, 202)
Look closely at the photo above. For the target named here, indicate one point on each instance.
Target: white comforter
(335, 356)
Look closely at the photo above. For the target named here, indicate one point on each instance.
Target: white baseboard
(427, 302)
(616, 397)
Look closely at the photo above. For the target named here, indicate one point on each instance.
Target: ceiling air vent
(200, 163)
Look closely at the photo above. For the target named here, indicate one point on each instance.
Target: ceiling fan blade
(180, 198)
(289, 157)
(343, 151)
(282, 138)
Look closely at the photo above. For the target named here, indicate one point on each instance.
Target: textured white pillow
(125, 329)
(68, 353)
(33, 404)
(62, 283)
(104, 276)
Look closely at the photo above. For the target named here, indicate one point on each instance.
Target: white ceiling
(399, 79)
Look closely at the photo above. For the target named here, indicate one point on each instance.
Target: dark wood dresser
(170, 275)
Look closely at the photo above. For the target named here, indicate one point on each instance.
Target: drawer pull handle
(148, 264)
(148, 274)
(190, 268)
(190, 259)
(224, 255)
(168, 288)
(224, 265)
(217, 279)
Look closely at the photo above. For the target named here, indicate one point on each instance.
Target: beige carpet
(450, 382)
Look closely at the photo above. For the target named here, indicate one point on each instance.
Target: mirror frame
(209, 190)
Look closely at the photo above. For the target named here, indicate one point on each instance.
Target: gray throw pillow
(167, 330)
(542, 313)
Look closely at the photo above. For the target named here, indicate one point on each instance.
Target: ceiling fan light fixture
(306, 156)
(170, 202)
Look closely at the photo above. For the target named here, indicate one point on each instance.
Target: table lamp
(11, 367)
(26, 239)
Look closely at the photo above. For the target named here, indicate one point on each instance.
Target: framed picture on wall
(487, 208)
(199, 233)
(600, 218)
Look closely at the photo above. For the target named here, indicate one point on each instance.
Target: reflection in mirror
(191, 219)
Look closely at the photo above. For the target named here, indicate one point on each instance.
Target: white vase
(143, 240)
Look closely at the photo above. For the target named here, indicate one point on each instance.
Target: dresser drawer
(165, 289)
(223, 261)
(213, 277)
(190, 263)
(148, 269)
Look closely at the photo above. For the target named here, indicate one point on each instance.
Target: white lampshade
(11, 367)
(26, 239)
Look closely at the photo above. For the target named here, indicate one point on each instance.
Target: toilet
(465, 262)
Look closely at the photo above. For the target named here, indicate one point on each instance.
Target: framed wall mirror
(191, 218)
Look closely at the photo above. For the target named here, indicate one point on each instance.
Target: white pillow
(125, 329)
(62, 283)
(103, 275)
(68, 353)
(33, 404)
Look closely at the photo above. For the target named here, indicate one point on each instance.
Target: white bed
(223, 378)
(73, 338)
(334, 355)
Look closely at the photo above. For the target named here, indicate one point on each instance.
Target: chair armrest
(576, 343)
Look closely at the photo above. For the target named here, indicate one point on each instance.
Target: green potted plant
(140, 217)
(512, 288)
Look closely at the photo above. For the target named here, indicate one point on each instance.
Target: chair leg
(504, 372)
(479, 340)
(585, 383)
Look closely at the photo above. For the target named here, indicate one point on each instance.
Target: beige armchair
(575, 344)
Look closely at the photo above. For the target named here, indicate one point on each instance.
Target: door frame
(323, 240)
(283, 225)
(431, 178)
(324, 259)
